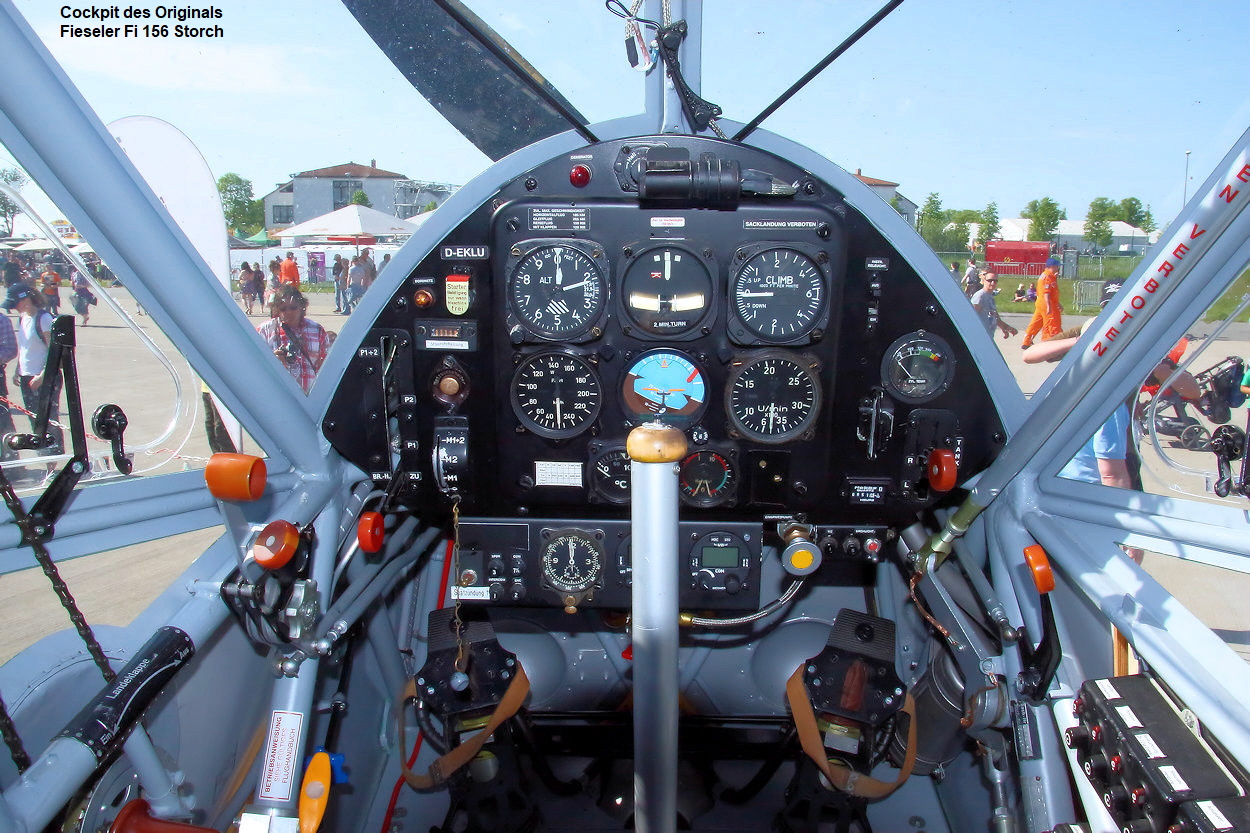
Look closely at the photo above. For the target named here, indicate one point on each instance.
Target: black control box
(543, 562)
(1217, 815)
(1140, 756)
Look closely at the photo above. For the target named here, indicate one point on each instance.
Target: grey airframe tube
(655, 450)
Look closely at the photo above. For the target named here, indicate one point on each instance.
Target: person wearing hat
(34, 334)
(1047, 311)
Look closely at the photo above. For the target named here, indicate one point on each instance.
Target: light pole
(1185, 189)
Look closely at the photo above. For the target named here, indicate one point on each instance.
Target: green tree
(361, 198)
(931, 220)
(990, 227)
(1045, 215)
(1131, 211)
(1098, 221)
(243, 214)
(429, 206)
(963, 215)
(15, 179)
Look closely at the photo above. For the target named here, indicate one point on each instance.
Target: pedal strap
(443, 768)
(839, 775)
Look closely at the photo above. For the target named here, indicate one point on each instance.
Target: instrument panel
(810, 368)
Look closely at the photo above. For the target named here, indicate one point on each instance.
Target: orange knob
(371, 531)
(235, 476)
(1039, 567)
(314, 793)
(276, 545)
(943, 473)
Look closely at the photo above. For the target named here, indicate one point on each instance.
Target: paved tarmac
(112, 588)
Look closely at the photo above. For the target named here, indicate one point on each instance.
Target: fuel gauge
(918, 367)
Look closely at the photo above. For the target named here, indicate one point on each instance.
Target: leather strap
(443, 768)
(841, 776)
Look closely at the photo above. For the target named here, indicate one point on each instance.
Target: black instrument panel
(810, 368)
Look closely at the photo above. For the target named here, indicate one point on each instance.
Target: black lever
(699, 112)
(1228, 443)
(109, 423)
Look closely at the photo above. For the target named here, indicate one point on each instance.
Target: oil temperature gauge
(918, 367)
(610, 476)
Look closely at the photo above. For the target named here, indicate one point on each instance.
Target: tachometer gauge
(610, 475)
(779, 296)
(917, 367)
(556, 292)
(773, 397)
(664, 385)
(572, 560)
(666, 291)
(556, 394)
(707, 478)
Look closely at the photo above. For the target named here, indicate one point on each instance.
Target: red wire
(416, 747)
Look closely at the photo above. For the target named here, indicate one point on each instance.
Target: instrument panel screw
(513, 224)
(530, 183)
(823, 231)
(809, 187)
(627, 252)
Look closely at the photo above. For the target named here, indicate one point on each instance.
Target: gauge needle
(559, 415)
(755, 294)
(559, 274)
(668, 262)
(573, 285)
(900, 364)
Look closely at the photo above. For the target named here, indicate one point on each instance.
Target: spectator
(1048, 312)
(987, 310)
(299, 342)
(972, 279)
(288, 271)
(34, 335)
(1021, 294)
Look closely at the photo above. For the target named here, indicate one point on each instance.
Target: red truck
(1017, 257)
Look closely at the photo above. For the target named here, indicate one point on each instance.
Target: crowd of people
(352, 277)
(981, 285)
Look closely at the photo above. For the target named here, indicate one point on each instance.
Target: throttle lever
(1228, 444)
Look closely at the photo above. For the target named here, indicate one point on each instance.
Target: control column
(655, 450)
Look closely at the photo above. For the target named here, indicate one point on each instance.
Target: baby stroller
(1220, 385)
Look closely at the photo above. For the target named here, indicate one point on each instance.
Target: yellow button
(801, 559)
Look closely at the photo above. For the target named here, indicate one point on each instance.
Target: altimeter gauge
(779, 296)
(556, 394)
(773, 397)
(557, 292)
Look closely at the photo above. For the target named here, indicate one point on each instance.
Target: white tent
(348, 221)
(36, 245)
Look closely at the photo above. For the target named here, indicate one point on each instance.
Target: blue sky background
(978, 101)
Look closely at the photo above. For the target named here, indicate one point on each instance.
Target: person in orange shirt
(289, 270)
(1047, 311)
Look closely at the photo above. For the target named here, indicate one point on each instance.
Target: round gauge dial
(610, 475)
(918, 367)
(706, 478)
(665, 385)
(572, 560)
(772, 397)
(557, 292)
(779, 295)
(556, 394)
(666, 291)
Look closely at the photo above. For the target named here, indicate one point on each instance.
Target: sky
(978, 101)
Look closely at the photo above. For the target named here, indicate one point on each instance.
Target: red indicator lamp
(579, 176)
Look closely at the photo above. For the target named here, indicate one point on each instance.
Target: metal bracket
(699, 112)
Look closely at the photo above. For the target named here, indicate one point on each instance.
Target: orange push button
(276, 545)
(371, 531)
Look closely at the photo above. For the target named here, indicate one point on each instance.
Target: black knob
(732, 584)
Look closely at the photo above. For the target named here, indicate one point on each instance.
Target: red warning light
(579, 176)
